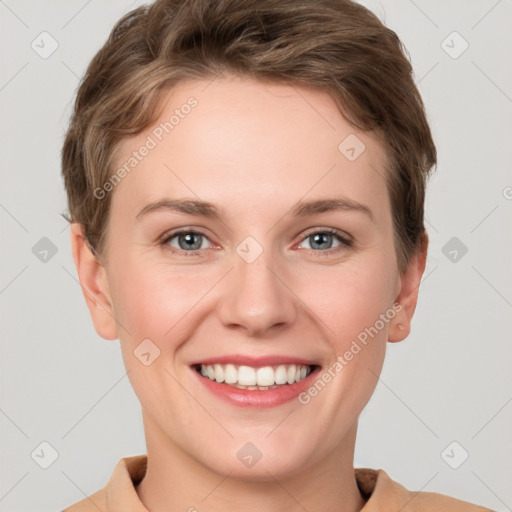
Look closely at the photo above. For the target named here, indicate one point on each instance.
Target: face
(249, 236)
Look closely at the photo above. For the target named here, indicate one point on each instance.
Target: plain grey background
(445, 393)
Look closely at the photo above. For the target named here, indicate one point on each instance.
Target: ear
(400, 325)
(93, 280)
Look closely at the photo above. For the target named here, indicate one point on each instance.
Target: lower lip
(258, 398)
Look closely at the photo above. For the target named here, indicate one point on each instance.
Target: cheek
(349, 298)
(350, 302)
(151, 299)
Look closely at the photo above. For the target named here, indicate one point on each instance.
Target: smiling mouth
(255, 378)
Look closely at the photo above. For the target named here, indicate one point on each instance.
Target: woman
(246, 185)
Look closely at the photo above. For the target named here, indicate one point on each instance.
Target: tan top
(383, 494)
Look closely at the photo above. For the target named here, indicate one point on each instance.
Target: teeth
(292, 369)
(281, 375)
(265, 376)
(230, 373)
(247, 377)
(219, 373)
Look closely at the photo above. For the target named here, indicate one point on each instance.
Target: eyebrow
(190, 206)
(303, 208)
(300, 209)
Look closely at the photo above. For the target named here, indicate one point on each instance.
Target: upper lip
(260, 361)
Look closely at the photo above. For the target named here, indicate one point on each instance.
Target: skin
(253, 149)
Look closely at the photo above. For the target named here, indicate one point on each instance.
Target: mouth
(259, 384)
(261, 378)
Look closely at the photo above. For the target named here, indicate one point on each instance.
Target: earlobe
(93, 280)
(400, 325)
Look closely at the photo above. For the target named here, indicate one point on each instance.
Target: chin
(247, 462)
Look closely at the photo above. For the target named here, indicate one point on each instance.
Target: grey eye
(188, 241)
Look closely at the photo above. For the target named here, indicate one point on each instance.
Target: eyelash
(345, 241)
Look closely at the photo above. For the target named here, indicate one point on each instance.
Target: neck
(175, 480)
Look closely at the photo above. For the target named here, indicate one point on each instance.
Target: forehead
(227, 138)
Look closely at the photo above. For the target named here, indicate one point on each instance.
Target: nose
(257, 299)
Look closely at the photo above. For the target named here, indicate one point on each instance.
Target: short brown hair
(337, 46)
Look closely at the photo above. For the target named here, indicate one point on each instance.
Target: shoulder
(383, 493)
(119, 493)
(93, 503)
(433, 502)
